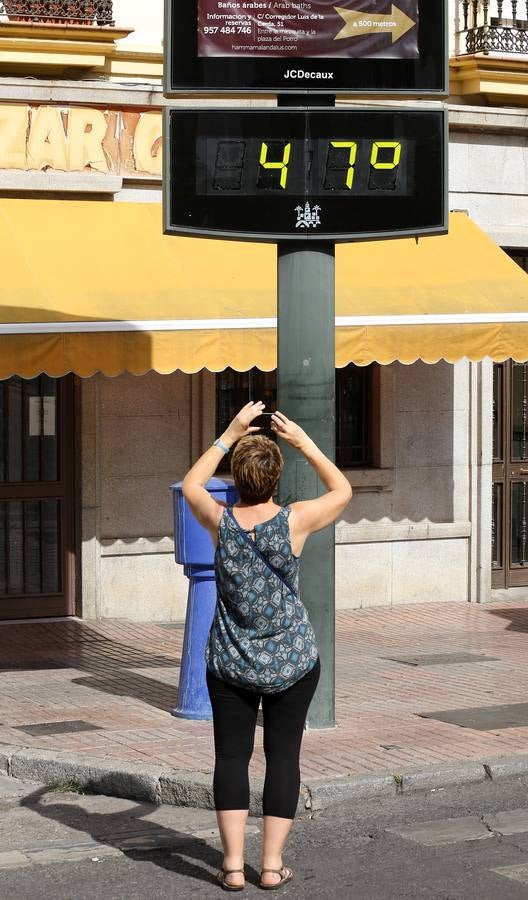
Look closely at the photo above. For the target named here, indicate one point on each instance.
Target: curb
(156, 784)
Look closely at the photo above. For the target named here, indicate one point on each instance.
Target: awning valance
(93, 286)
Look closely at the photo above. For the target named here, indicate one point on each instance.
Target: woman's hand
(241, 424)
(293, 434)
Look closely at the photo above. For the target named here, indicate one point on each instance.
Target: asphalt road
(455, 844)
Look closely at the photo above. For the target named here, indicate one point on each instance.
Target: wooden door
(510, 475)
(37, 498)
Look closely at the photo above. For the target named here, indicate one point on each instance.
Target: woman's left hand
(241, 424)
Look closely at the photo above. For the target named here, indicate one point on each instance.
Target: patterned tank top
(261, 638)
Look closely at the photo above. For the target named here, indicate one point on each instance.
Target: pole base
(197, 715)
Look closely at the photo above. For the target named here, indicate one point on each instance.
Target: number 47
(282, 164)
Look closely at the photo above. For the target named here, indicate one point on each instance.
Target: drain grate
(483, 718)
(40, 729)
(441, 659)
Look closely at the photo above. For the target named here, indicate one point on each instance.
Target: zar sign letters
(80, 139)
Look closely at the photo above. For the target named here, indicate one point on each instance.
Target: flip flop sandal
(286, 875)
(225, 885)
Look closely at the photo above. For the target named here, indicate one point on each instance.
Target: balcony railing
(495, 26)
(58, 12)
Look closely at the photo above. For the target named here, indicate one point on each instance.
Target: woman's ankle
(233, 862)
(271, 862)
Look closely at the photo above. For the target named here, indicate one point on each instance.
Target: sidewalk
(105, 689)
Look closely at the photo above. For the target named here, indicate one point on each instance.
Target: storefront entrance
(510, 475)
(37, 547)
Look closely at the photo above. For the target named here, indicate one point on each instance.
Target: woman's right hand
(241, 424)
(290, 432)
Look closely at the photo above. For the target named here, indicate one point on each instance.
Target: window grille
(355, 412)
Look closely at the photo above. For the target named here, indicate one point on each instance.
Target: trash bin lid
(214, 485)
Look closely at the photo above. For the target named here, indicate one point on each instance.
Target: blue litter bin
(194, 550)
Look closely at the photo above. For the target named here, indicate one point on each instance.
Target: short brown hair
(256, 467)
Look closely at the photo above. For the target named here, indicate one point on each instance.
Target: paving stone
(214, 833)
(359, 787)
(115, 777)
(196, 789)
(484, 718)
(66, 727)
(446, 831)
(441, 659)
(507, 766)
(6, 753)
(13, 859)
(146, 840)
(187, 789)
(12, 790)
(443, 776)
(47, 855)
(516, 873)
(513, 821)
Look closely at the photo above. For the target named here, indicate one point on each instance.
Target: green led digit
(386, 145)
(351, 160)
(282, 164)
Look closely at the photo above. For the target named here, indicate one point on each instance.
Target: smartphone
(263, 421)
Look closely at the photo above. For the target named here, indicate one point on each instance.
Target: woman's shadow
(166, 847)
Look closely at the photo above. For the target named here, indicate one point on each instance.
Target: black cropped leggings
(235, 717)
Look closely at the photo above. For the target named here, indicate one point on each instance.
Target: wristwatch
(221, 446)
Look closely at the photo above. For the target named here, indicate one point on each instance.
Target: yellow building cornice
(32, 48)
(500, 79)
(35, 48)
(137, 64)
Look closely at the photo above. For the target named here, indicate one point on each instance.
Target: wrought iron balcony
(495, 26)
(58, 12)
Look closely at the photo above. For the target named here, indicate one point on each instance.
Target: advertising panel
(308, 28)
(306, 46)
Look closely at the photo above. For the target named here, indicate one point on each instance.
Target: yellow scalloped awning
(93, 285)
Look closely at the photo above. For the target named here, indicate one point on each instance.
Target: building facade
(434, 452)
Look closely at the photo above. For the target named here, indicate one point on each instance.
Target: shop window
(357, 408)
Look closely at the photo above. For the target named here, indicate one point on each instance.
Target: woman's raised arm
(203, 506)
(313, 515)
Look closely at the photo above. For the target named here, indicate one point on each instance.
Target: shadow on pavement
(104, 663)
(518, 617)
(188, 854)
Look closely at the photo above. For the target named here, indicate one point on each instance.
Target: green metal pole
(306, 394)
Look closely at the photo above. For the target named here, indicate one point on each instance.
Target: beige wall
(419, 529)
(145, 16)
(488, 173)
(138, 437)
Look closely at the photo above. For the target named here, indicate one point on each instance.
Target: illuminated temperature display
(289, 165)
(321, 174)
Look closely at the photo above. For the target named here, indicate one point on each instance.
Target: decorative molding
(370, 481)
(500, 78)
(380, 532)
(63, 182)
(139, 546)
(362, 533)
(32, 47)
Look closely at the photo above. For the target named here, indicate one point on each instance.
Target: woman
(261, 644)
